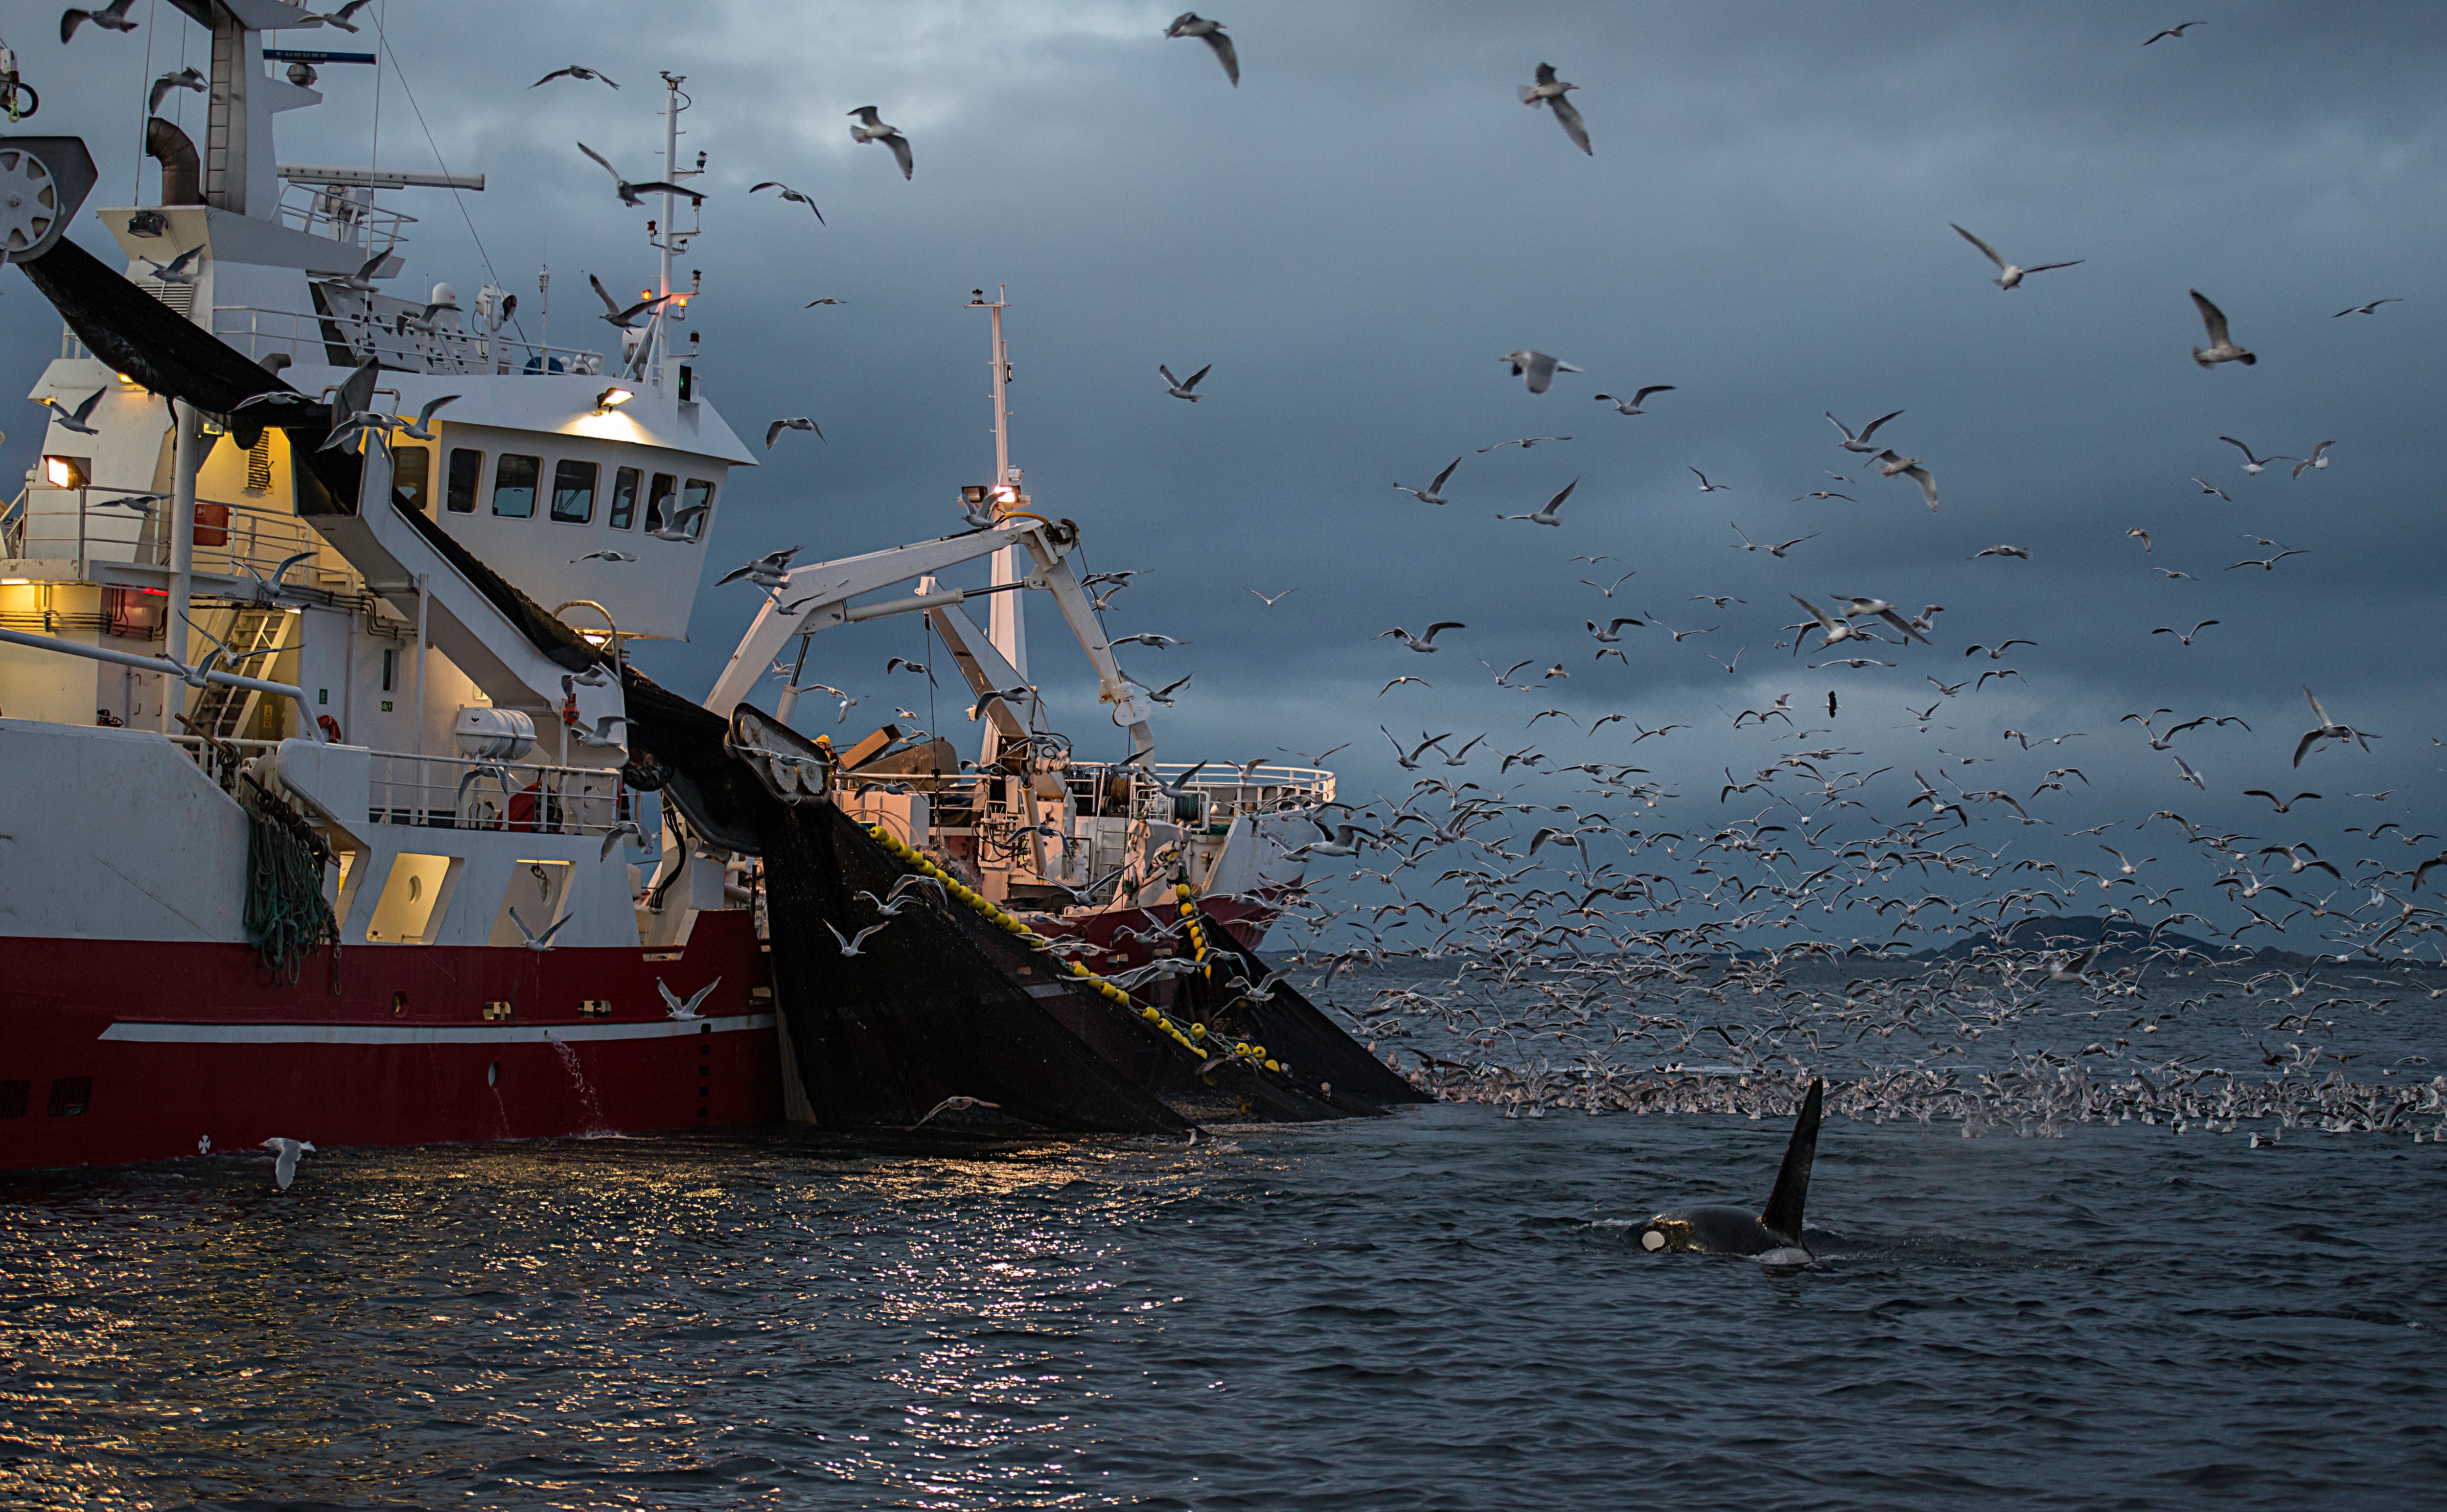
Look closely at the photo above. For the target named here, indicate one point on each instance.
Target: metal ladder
(256, 634)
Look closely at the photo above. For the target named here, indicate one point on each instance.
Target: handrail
(82, 525)
(193, 677)
(259, 333)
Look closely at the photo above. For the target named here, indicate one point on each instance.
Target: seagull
(1426, 642)
(1618, 584)
(773, 432)
(678, 1009)
(340, 18)
(1539, 368)
(629, 191)
(1435, 492)
(2008, 275)
(2175, 31)
(2269, 564)
(2209, 488)
(678, 526)
(112, 17)
(625, 319)
(826, 300)
(1524, 444)
(2319, 459)
(2284, 805)
(1891, 465)
(1707, 487)
(1613, 631)
(184, 79)
(2328, 729)
(421, 428)
(619, 834)
(1190, 23)
(284, 1167)
(1775, 551)
(574, 71)
(894, 664)
(602, 555)
(2221, 347)
(2074, 968)
(1548, 515)
(952, 1105)
(1271, 602)
(533, 941)
(2024, 552)
(2370, 309)
(769, 571)
(1551, 91)
(1181, 390)
(2250, 462)
(1822, 494)
(2186, 639)
(2141, 536)
(1146, 638)
(75, 419)
(1860, 443)
(179, 270)
(1879, 607)
(1835, 630)
(788, 193)
(871, 128)
(2184, 771)
(850, 945)
(1399, 681)
(1631, 405)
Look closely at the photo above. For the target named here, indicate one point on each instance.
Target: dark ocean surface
(1436, 1310)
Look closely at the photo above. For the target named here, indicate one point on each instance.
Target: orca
(1773, 1236)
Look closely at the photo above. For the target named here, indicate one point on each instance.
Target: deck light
(614, 395)
(65, 472)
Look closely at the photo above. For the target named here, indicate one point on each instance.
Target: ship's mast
(671, 239)
(1008, 625)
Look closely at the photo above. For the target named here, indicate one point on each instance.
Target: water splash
(588, 1103)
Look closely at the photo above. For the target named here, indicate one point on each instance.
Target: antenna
(1008, 626)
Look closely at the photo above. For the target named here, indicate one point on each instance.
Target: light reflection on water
(1415, 1311)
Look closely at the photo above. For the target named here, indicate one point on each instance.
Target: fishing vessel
(336, 809)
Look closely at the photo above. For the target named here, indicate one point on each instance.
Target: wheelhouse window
(624, 498)
(573, 491)
(411, 473)
(698, 497)
(514, 485)
(658, 501)
(467, 475)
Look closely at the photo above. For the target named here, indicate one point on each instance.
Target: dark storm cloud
(1352, 237)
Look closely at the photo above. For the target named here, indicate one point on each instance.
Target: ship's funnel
(43, 179)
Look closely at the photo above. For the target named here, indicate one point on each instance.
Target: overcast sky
(1355, 233)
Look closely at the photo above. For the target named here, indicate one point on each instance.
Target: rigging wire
(143, 124)
(457, 198)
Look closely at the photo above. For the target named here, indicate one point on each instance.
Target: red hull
(173, 1042)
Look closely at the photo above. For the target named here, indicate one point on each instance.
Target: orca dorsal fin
(1782, 1216)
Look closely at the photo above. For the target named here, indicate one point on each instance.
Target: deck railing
(403, 344)
(97, 524)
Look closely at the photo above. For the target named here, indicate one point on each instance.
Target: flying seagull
(629, 191)
(2319, 459)
(1631, 405)
(625, 319)
(2370, 309)
(1428, 641)
(574, 71)
(1891, 466)
(1180, 387)
(2221, 347)
(870, 127)
(677, 1007)
(2009, 275)
(2175, 31)
(2250, 462)
(773, 432)
(74, 419)
(184, 78)
(1190, 23)
(1548, 515)
(952, 1105)
(1861, 443)
(2328, 729)
(788, 193)
(1550, 91)
(112, 17)
(1539, 368)
(284, 1165)
(1435, 492)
